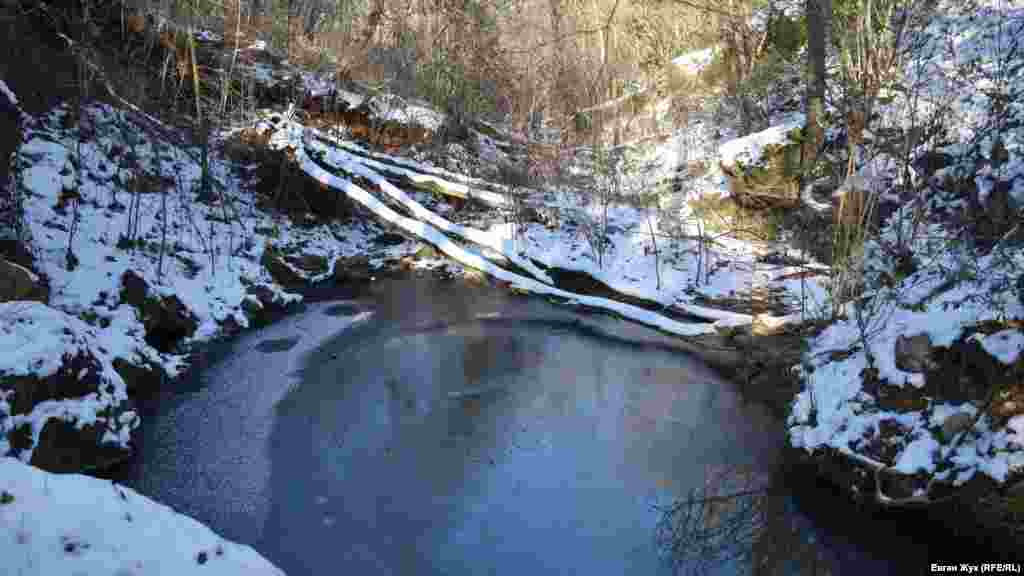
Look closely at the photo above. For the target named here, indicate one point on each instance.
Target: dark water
(426, 428)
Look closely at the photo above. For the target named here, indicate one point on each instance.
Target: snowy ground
(72, 524)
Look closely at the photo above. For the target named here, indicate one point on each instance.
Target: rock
(913, 353)
(78, 376)
(310, 263)
(19, 283)
(354, 269)
(142, 378)
(167, 320)
(279, 270)
(898, 398)
(954, 424)
(262, 305)
(896, 485)
(134, 289)
(761, 167)
(252, 306)
(230, 326)
(64, 448)
(67, 440)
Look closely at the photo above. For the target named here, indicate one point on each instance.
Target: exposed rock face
(913, 353)
(167, 321)
(19, 283)
(762, 167)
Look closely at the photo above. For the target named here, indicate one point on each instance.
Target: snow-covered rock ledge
(73, 524)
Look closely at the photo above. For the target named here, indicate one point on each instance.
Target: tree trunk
(819, 16)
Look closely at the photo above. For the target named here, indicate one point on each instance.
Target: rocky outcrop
(166, 319)
(762, 168)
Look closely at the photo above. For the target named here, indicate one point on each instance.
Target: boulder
(166, 319)
(19, 283)
(913, 353)
(762, 168)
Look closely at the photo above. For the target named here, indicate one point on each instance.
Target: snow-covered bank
(127, 277)
(73, 524)
(921, 378)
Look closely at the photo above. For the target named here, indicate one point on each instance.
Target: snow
(958, 292)
(292, 135)
(415, 171)
(34, 339)
(917, 456)
(13, 99)
(209, 264)
(360, 167)
(73, 524)
(1005, 345)
(695, 62)
(8, 94)
(749, 150)
(210, 268)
